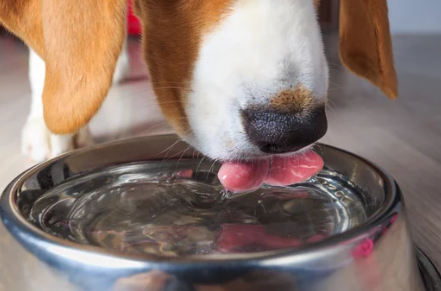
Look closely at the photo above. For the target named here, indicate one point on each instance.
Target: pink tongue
(244, 176)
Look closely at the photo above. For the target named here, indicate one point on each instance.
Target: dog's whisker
(180, 158)
(211, 169)
(200, 163)
(167, 150)
(158, 124)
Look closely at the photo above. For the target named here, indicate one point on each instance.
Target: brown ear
(365, 43)
(80, 42)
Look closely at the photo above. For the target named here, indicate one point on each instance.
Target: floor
(403, 136)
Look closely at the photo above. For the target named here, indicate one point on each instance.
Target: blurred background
(403, 136)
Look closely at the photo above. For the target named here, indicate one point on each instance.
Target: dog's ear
(80, 42)
(365, 43)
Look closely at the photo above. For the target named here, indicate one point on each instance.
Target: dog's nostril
(279, 132)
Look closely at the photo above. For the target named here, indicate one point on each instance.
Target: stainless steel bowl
(367, 246)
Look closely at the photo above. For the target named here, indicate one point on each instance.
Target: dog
(242, 81)
(37, 142)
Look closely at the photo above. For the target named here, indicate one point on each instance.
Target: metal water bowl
(150, 214)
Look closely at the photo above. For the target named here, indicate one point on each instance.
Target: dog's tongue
(244, 176)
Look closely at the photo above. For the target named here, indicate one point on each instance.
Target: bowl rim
(21, 229)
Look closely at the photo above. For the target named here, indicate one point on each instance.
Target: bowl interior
(157, 196)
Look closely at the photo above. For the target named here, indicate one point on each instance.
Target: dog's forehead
(202, 16)
(205, 11)
(210, 12)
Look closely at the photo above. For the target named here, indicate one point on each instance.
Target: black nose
(278, 132)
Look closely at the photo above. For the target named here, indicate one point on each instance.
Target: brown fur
(293, 101)
(365, 43)
(172, 34)
(23, 19)
(80, 42)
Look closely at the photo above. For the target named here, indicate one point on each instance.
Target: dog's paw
(39, 144)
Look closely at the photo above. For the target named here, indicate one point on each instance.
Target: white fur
(38, 143)
(258, 49)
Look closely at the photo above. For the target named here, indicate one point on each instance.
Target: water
(171, 211)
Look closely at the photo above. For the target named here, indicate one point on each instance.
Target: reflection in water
(177, 212)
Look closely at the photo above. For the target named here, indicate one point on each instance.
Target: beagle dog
(37, 141)
(242, 81)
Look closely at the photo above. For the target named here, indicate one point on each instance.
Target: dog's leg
(123, 65)
(38, 143)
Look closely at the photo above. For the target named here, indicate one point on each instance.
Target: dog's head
(238, 79)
